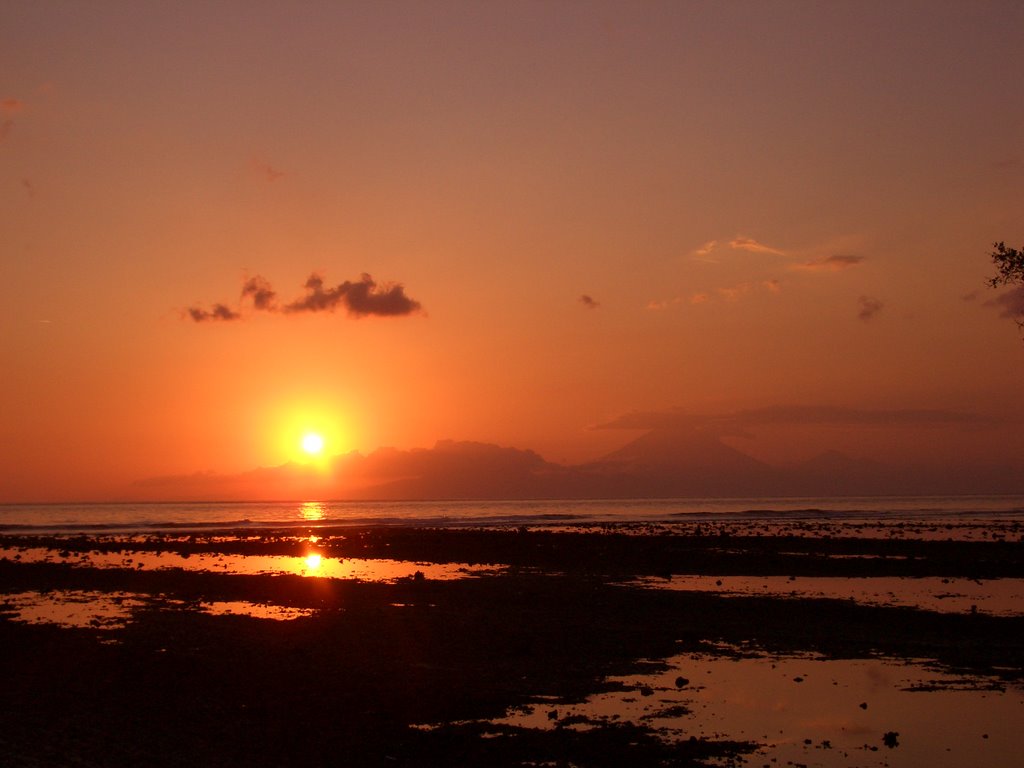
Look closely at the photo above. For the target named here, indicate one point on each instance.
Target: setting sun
(312, 443)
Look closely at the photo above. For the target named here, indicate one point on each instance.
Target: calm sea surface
(164, 516)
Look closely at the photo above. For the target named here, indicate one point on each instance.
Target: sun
(312, 443)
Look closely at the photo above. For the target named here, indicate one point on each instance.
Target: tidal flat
(641, 645)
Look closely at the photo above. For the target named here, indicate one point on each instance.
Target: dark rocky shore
(403, 673)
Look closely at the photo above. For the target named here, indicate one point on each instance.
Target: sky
(228, 224)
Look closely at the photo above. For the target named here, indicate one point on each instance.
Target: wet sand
(427, 662)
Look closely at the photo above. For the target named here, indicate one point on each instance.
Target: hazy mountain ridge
(670, 462)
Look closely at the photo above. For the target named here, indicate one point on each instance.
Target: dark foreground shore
(408, 672)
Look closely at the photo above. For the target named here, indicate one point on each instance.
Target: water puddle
(255, 610)
(312, 564)
(998, 597)
(810, 711)
(87, 609)
(73, 608)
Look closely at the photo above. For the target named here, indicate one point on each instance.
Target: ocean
(145, 517)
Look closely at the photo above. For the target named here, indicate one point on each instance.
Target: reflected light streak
(311, 510)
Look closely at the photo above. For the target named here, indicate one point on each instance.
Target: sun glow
(311, 434)
(312, 443)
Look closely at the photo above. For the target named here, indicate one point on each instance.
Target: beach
(596, 645)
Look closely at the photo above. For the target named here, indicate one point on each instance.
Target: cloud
(589, 302)
(1010, 303)
(750, 244)
(266, 170)
(699, 298)
(704, 252)
(735, 292)
(218, 312)
(738, 243)
(834, 263)
(869, 307)
(261, 293)
(360, 298)
(9, 107)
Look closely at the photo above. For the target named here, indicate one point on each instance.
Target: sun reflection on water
(312, 510)
(313, 562)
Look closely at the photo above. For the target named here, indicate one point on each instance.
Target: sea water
(143, 517)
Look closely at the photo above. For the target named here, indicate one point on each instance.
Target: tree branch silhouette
(1009, 264)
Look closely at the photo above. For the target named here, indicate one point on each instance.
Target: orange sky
(767, 204)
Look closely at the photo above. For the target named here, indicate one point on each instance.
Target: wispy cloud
(266, 170)
(359, 298)
(589, 302)
(739, 243)
(735, 292)
(1010, 303)
(752, 245)
(834, 263)
(869, 307)
(8, 107)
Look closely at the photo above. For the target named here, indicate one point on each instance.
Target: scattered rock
(891, 739)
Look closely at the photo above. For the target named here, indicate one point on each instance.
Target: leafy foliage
(1009, 265)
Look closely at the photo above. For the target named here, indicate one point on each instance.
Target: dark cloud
(361, 298)
(1010, 303)
(589, 302)
(869, 307)
(263, 296)
(834, 263)
(218, 312)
